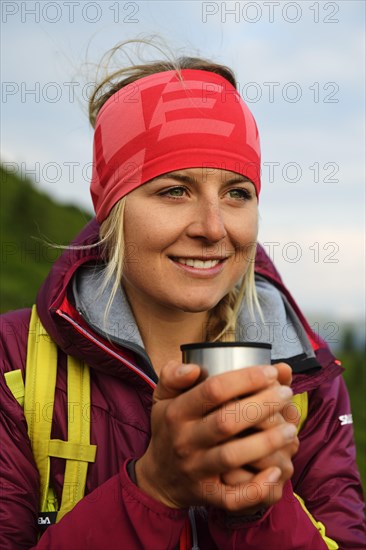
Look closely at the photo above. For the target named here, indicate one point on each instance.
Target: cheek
(139, 227)
(245, 231)
(244, 239)
(148, 231)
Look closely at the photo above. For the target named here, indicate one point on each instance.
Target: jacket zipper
(105, 348)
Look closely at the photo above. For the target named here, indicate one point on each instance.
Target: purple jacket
(115, 514)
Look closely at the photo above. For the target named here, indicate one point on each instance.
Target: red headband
(162, 123)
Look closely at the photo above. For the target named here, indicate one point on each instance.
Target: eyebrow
(185, 178)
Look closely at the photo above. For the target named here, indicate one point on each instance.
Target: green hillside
(26, 213)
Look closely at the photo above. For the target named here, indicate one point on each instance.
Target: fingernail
(285, 392)
(185, 369)
(289, 431)
(270, 372)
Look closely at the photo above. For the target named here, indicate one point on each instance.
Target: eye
(174, 192)
(240, 193)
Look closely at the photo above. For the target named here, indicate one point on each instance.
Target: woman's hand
(280, 458)
(194, 454)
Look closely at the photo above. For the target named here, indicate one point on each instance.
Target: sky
(300, 68)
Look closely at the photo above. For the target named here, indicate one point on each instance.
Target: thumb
(175, 378)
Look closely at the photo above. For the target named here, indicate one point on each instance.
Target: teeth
(200, 264)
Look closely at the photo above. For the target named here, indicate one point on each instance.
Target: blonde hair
(222, 318)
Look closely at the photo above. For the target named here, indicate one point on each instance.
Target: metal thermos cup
(220, 357)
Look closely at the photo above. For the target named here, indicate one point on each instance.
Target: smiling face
(188, 235)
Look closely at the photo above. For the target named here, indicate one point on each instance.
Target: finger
(246, 450)
(263, 489)
(175, 378)
(289, 413)
(235, 417)
(275, 418)
(284, 373)
(292, 413)
(235, 477)
(281, 459)
(216, 390)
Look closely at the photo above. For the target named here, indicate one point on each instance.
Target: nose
(207, 222)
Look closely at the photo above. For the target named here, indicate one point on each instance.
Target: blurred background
(300, 68)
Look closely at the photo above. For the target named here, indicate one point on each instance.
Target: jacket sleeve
(18, 473)
(19, 477)
(326, 475)
(116, 515)
(284, 526)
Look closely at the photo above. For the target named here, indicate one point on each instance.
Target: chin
(199, 306)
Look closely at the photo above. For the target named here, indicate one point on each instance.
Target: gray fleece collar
(91, 303)
(280, 326)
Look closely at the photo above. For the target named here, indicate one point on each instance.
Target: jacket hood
(57, 312)
(77, 329)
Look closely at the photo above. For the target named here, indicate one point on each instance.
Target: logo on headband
(186, 110)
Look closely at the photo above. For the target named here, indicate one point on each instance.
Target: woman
(170, 260)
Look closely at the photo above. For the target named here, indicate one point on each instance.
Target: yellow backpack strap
(14, 381)
(300, 401)
(40, 384)
(330, 543)
(77, 450)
